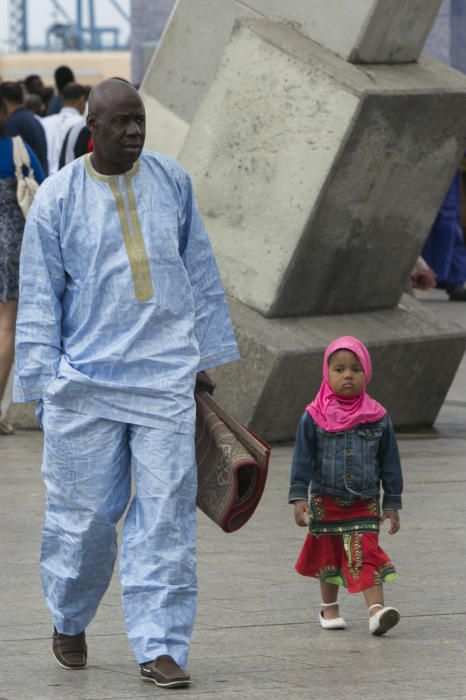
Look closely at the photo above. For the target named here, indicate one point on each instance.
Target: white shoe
(337, 623)
(383, 620)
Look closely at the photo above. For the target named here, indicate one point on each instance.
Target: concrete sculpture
(373, 31)
(320, 149)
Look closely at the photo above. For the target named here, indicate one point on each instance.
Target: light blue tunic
(121, 302)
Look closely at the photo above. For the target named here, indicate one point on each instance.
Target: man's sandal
(337, 623)
(165, 673)
(70, 651)
(383, 620)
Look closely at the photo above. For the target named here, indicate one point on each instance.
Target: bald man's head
(116, 119)
(110, 92)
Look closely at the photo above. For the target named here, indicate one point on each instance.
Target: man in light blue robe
(121, 305)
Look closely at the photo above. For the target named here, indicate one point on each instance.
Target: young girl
(345, 446)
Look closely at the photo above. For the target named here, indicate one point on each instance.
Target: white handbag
(27, 185)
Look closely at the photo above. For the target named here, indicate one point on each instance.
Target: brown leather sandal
(70, 651)
(165, 673)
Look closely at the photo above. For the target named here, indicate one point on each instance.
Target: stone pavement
(257, 634)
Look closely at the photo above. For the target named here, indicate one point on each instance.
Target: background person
(33, 84)
(63, 76)
(77, 143)
(11, 234)
(57, 126)
(35, 104)
(21, 122)
(445, 250)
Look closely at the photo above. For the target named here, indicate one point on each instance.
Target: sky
(41, 14)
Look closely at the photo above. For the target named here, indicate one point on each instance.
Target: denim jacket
(347, 463)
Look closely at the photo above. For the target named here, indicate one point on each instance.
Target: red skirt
(342, 546)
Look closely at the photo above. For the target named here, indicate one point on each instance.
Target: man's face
(119, 130)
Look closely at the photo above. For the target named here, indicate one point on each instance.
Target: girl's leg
(381, 619)
(8, 311)
(329, 594)
(374, 596)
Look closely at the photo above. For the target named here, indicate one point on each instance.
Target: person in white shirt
(57, 125)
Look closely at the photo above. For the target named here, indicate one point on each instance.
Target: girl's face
(345, 373)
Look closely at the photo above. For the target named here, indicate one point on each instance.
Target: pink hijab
(333, 412)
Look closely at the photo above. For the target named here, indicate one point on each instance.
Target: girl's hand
(394, 518)
(301, 513)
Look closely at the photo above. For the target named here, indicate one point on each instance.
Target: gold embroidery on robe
(131, 228)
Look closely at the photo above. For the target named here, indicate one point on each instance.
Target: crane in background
(70, 33)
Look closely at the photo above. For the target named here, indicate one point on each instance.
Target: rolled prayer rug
(232, 465)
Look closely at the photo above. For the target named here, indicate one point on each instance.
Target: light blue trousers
(87, 473)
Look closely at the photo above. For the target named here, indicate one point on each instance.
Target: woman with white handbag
(20, 176)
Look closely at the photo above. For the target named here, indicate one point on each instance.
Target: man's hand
(422, 276)
(301, 513)
(204, 383)
(423, 280)
(394, 518)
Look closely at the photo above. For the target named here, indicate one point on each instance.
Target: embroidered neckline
(125, 201)
(107, 178)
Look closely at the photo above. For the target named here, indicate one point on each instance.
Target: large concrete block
(371, 31)
(165, 131)
(318, 179)
(415, 355)
(360, 31)
(189, 53)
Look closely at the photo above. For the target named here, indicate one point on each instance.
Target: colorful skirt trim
(342, 546)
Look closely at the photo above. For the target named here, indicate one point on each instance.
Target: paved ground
(257, 634)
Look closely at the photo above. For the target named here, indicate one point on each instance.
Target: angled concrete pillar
(369, 31)
(308, 170)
